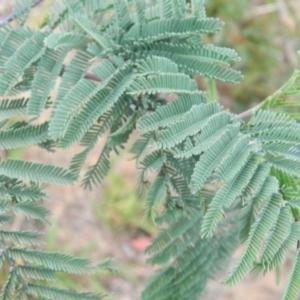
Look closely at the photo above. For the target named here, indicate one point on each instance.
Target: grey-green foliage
(29, 265)
(219, 181)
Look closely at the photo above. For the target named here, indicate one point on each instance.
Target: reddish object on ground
(141, 243)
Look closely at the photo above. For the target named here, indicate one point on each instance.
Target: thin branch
(271, 100)
(251, 111)
(8, 18)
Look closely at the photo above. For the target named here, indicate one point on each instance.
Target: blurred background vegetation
(266, 34)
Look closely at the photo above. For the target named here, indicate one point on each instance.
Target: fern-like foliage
(219, 181)
(239, 164)
(28, 265)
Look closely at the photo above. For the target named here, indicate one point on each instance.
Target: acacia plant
(219, 180)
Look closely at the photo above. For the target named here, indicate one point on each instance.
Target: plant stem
(8, 18)
(251, 111)
(211, 90)
(271, 101)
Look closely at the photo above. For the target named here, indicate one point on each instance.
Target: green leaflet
(53, 293)
(155, 194)
(105, 69)
(4, 205)
(24, 56)
(23, 136)
(212, 130)
(140, 145)
(96, 6)
(166, 237)
(289, 150)
(262, 193)
(284, 133)
(59, 12)
(126, 127)
(53, 260)
(209, 160)
(277, 236)
(292, 290)
(11, 108)
(95, 108)
(140, 8)
(8, 290)
(90, 139)
(269, 186)
(287, 183)
(33, 210)
(259, 189)
(288, 243)
(47, 72)
(20, 237)
(74, 71)
(191, 124)
(22, 192)
(204, 53)
(99, 170)
(156, 64)
(291, 167)
(37, 273)
(225, 197)
(183, 274)
(4, 219)
(118, 65)
(122, 14)
(154, 161)
(151, 162)
(21, 9)
(91, 29)
(267, 217)
(295, 203)
(13, 39)
(1, 259)
(198, 8)
(169, 113)
(65, 40)
(162, 83)
(71, 104)
(232, 163)
(162, 29)
(24, 84)
(36, 265)
(153, 12)
(263, 120)
(174, 8)
(35, 172)
(207, 69)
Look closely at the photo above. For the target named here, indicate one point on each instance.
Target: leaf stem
(272, 100)
(8, 18)
(250, 111)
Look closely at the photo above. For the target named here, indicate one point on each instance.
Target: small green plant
(216, 180)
